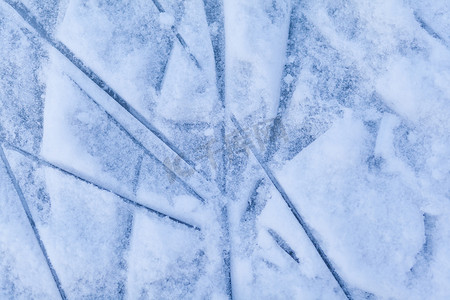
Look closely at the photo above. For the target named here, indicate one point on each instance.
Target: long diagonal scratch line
(66, 52)
(99, 186)
(32, 223)
(294, 211)
(140, 145)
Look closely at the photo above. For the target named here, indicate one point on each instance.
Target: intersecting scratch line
(294, 211)
(100, 187)
(190, 189)
(23, 11)
(178, 36)
(286, 89)
(32, 223)
(214, 17)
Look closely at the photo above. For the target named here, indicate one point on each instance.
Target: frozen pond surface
(199, 149)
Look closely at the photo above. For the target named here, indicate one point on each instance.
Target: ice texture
(202, 149)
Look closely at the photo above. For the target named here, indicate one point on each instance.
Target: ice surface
(22, 55)
(23, 271)
(193, 149)
(77, 221)
(167, 263)
(79, 134)
(131, 40)
(381, 211)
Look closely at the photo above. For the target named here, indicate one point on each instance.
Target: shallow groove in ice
(32, 223)
(294, 211)
(31, 20)
(99, 186)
